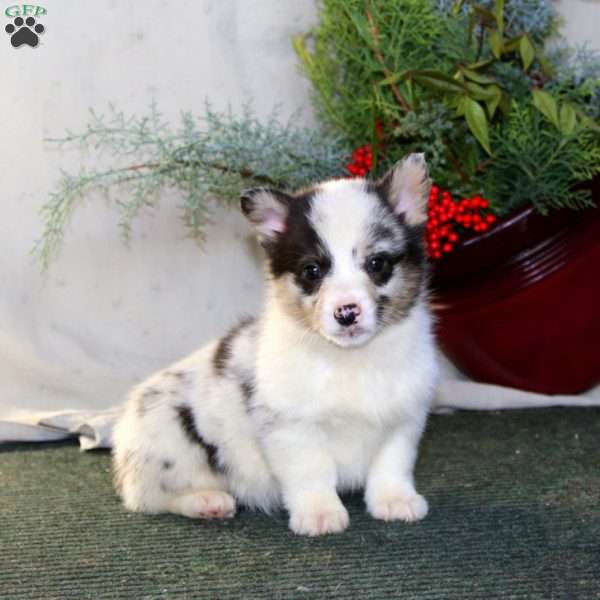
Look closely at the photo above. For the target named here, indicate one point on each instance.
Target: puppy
(328, 390)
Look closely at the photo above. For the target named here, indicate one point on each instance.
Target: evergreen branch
(209, 159)
(377, 51)
(245, 173)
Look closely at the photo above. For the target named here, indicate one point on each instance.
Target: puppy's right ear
(267, 210)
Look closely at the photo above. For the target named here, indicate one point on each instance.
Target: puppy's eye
(311, 272)
(378, 263)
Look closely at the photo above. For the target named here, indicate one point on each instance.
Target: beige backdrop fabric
(106, 315)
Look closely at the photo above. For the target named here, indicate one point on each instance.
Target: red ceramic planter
(520, 304)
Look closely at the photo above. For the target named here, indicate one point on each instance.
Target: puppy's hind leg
(186, 486)
(163, 464)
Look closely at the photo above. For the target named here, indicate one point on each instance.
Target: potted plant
(510, 131)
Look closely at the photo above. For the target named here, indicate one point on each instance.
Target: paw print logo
(24, 32)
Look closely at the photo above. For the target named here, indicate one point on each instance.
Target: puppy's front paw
(204, 504)
(397, 507)
(319, 518)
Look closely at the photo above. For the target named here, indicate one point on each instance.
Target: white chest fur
(302, 376)
(348, 400)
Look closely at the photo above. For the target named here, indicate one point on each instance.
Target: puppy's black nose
(346, 315)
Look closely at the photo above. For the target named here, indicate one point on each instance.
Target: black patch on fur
(180, 375)
(188, 423)
(382, 232)
(223, 352)
(415, 245)
(247, 388)
(247, 201)
(299, 246)
(167, 464)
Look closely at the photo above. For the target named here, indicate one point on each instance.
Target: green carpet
(514, 513)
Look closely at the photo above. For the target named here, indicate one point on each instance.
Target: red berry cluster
(448, 219)
(362, 161)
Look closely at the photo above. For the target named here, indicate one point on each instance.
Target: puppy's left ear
(406, 187)
(267, 209)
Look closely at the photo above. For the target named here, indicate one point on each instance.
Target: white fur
(342, 218)
(324, 416)
(355, 421)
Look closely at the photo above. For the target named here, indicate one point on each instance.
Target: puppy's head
(346, 257)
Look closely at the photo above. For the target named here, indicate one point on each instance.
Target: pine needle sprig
(207, 159)
(536, 164)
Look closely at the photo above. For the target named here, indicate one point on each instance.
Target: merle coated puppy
(327, 390)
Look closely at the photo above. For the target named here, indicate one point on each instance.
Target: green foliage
(577, 79)
(376, 61)
(214, 156)
(410, 75)
(537, 163)
(357, 46)
(538, 17)
(443, 138)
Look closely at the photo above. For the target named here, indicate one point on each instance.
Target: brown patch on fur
(296, 305)
(399, 305)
